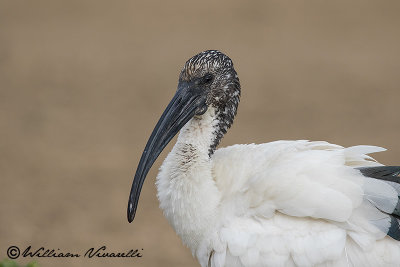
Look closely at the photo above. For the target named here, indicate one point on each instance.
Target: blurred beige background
(82, 83)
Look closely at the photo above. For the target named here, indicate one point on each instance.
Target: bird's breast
(187, 193)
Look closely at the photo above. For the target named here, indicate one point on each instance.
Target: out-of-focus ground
(82, 83)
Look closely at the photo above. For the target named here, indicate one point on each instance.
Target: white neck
(186, 189)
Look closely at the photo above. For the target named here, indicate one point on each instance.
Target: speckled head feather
(213, 71)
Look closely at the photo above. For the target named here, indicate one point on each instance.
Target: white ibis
(284, 203)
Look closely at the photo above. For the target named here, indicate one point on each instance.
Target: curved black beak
(187, 102)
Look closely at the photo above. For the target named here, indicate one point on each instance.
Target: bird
(282, 203)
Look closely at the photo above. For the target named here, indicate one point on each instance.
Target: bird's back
(300, 203)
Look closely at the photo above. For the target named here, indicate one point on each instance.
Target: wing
(303, 198)
(382, 190)
(297, 178)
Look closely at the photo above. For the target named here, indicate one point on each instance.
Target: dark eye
(208, 78)
(202, 110)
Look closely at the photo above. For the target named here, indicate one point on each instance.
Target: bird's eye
(208, 78)
(202, 110)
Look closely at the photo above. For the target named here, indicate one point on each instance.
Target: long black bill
(184, 105)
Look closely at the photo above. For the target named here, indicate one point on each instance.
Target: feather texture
(284, 203)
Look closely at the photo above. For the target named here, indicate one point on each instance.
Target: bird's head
(212, 74)
(207, 81)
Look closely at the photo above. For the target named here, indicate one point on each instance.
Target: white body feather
(284, 203)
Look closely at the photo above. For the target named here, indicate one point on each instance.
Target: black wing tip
(387, 173)
(394, 230)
